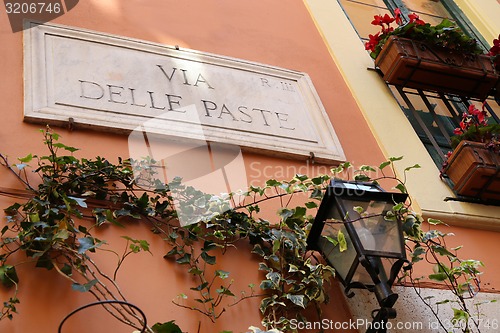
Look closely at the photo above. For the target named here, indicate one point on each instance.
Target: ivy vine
(51, 227)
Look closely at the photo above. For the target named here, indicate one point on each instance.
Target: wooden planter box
(475, 171)
(413, 64)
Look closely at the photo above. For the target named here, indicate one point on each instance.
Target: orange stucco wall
(271, 32)
(279, 33)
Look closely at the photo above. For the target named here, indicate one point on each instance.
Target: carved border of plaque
(112, 83)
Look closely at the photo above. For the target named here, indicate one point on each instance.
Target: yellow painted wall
(271, 32)
(477, 225)
(484, 15)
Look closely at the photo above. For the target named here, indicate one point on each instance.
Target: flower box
(475, 171)
(413, 64)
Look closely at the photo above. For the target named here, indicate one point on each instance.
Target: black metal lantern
(364, 244)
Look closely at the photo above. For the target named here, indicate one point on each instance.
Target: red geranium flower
(387, 19)
(377, 20)
(397, 16)
(495, 49)
(415, 18)
(372, 43)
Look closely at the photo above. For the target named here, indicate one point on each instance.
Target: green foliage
(169, 327)
(8, 276)
(445, 35)
(84, 287)
(49, 229)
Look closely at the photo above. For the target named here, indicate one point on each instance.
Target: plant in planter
(474, 164)
(494, 53)
(438, 58)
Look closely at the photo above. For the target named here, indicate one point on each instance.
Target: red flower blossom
(381, 20)
(387, 19)
(377, 20)
(372, 43)
(474, 117)
(495, 49)
(397, 16)
(473, 110)
(415, 18)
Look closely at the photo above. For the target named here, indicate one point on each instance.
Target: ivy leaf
(311, 204)
(362, 178)
(195, 271)
(384, 165)
(62, 234)
(319, 180)
(272, 183)
(208, 258)
(21, 166)
(342, 241)
(66, 269)
(168, 327)
(222, 274)
(398, 207)
(401, 188)
(263, 267)
(8, 275)
(208, 245)
(443, 302)
(264, 304)
(266, 284)
(460, 316)
(434, 221)
(257, 249)
(285, 213)
(416, 166)
(438, 277)
(63, 146)
(358, 209)
(417, 253)
(316, 194)
(301, 177)
(138, 244)
(186, 259)
(80, 201)
(297, 300)
(276, 245)
(274, 277)
(367, 168)
(87, 243)
(442, 250)
(200, 287)
(224, 291)
(26, 159)
(84, 287)
(331, 240)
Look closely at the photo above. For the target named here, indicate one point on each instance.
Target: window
(433, 116)
(433, 11)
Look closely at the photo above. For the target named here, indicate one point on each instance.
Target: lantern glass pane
(330, 247)
(375, 231)
(381, 265)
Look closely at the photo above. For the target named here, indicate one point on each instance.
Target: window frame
(460, 105)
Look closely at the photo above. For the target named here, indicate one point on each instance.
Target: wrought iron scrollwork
(103, 303)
